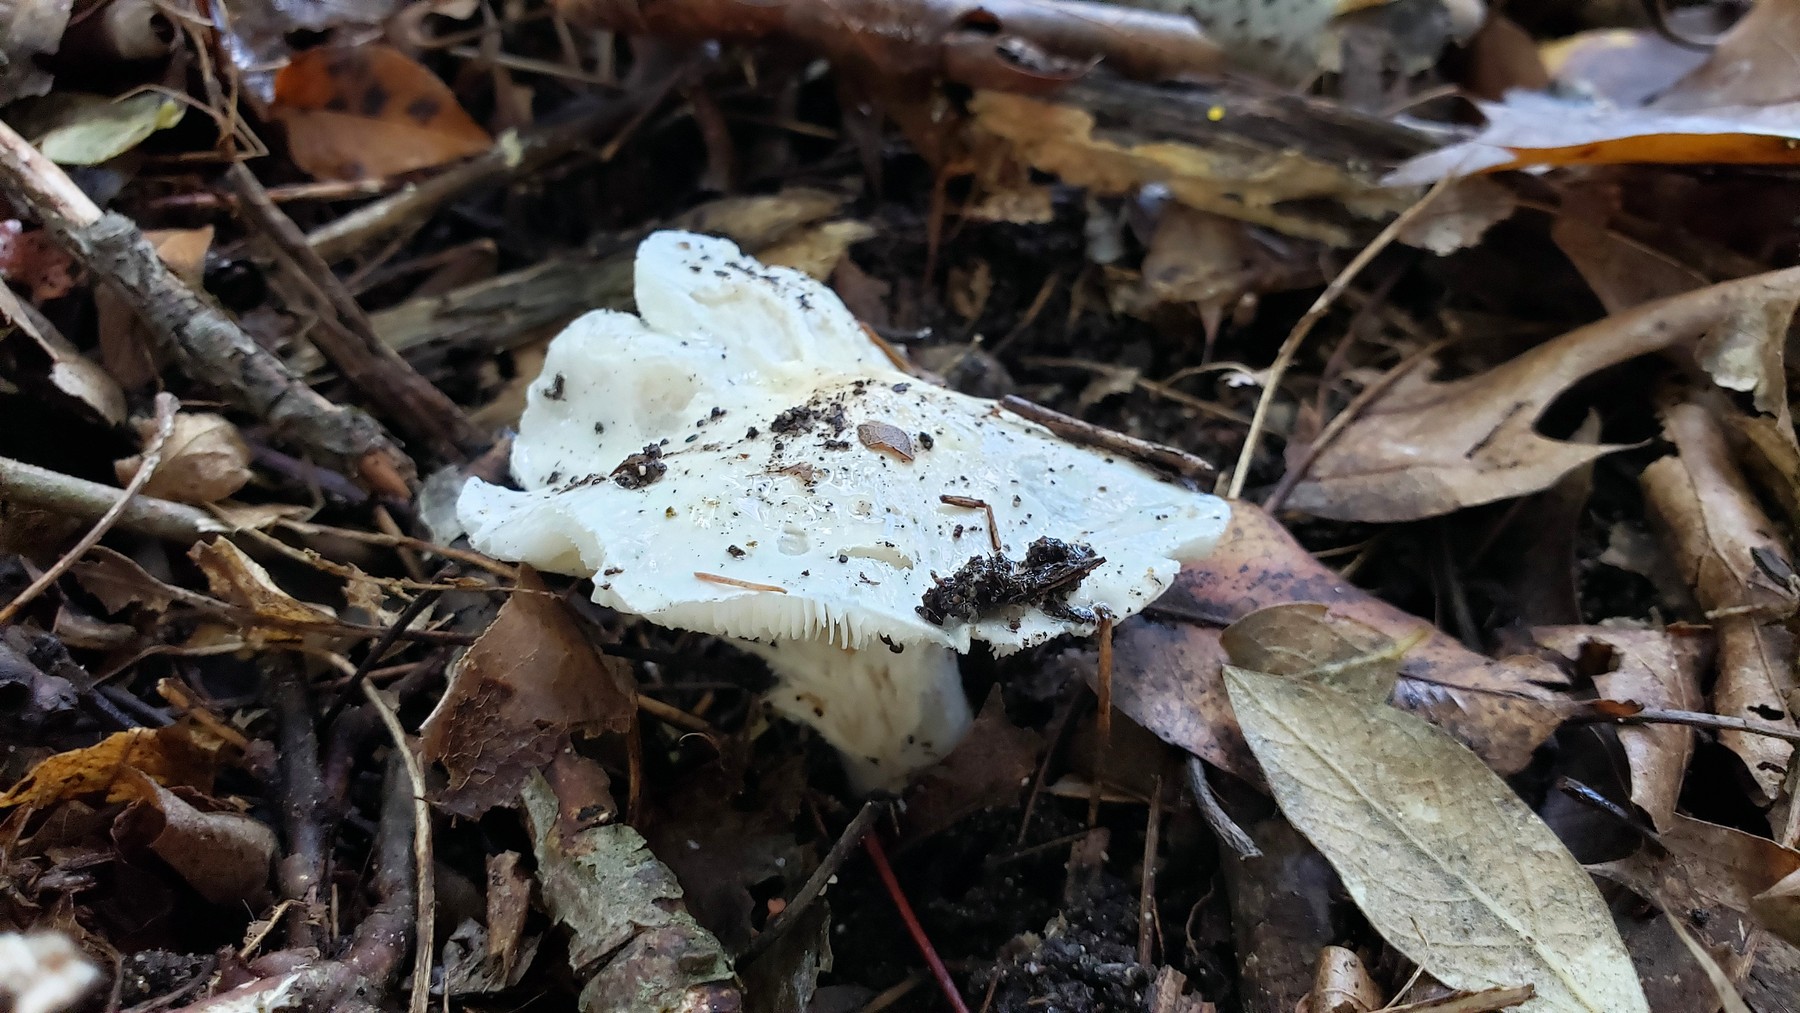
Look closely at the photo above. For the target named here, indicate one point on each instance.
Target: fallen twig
(509, 158)
(211, 348)
(302, 873)
(1075, 430)
(408, 401)
(816, 883)
(1290, 345)
(53, 491)
(165, 424)
(1696, 719)
(425, 894)
(872, 844)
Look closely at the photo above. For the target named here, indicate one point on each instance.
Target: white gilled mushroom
(743, 460)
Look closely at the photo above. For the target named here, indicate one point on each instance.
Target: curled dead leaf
(1727, 549)
(205, 459)
(517, 696)
(225, 856)
(1426, 447)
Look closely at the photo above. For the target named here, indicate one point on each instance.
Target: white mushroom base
(889, 714)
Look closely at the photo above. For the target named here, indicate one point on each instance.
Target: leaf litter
(277, 737)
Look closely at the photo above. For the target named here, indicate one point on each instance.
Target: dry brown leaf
(1726, 549)
(172, 755)
(1651, 668)
(368, 112)
(816, 249)
(1428, 447)
(1167, 678)
(1756, 63)
(225, 856)
(1329, 648)
(1500, 709)
(204, 460)
(1447, 863)
(1622, 274)
(986, 770)
(29, 29)
(517, 696)
(70, 372)
(1699, 865)
(239, 580)
(119, 582)
(1460, 216)
(1218, 264)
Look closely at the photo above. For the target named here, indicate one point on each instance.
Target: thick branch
(210, 347)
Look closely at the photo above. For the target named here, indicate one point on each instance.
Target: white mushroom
(743, 460)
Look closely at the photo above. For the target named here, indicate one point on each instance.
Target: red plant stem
(872, 844)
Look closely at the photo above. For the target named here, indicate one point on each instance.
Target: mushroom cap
(743, 460)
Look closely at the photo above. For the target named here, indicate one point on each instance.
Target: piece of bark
(209, 346)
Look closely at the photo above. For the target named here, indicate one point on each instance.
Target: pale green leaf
(80, 129)
(1444, 860)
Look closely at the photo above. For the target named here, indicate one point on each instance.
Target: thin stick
(872, 844)
(1342, 420)
(1147, 884)
(425, 898)
(1309, 319)
(978, 504)
(1102, 720)
(673, 715)
(411, 404)
(1059, 726)
(165, 424)
(1223, 826)
(1695, 719)
(816, 883)
(509, 158)
(1075, 430)
(389, 637)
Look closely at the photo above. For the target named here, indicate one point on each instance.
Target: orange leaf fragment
(369, 112)
(167, 756)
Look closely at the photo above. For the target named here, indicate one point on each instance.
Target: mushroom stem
(890, 713)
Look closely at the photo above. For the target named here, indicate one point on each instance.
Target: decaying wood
(1302, 166)
(28, 485)
(407, 401)
(502, 312)
(210, 347)
(976, 43)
